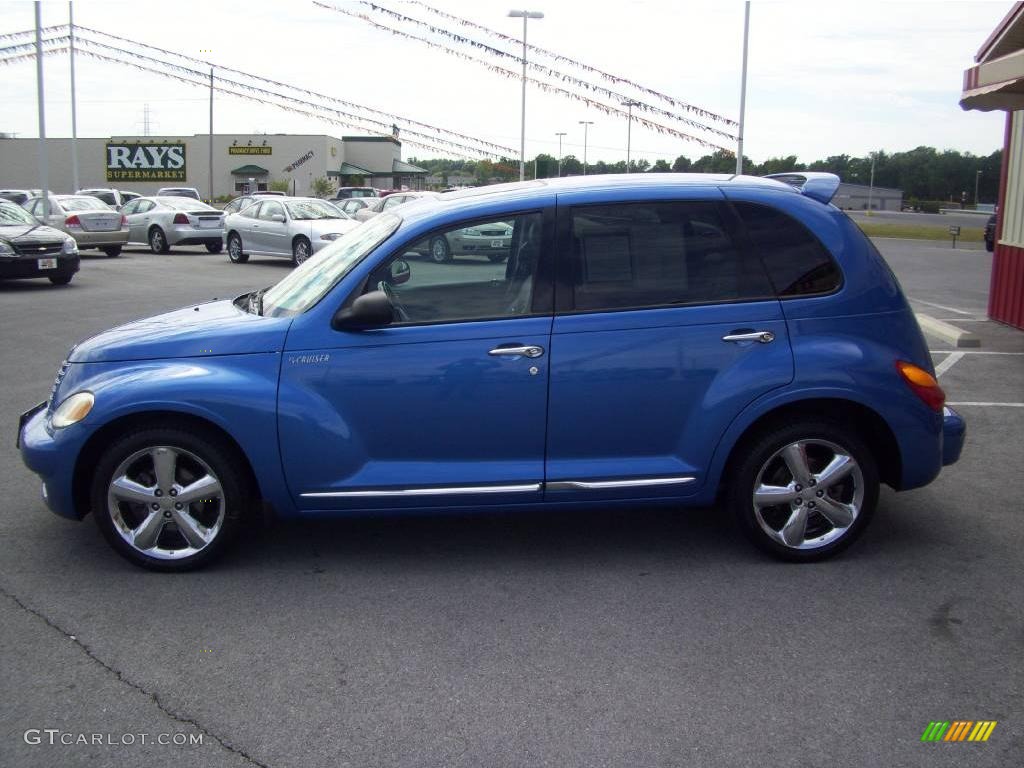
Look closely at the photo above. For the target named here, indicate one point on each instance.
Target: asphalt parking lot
(639, 638)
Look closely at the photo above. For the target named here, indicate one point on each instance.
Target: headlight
(469, 232)
(5, 249)
(331, 236)
(73, 410)
(70, 247)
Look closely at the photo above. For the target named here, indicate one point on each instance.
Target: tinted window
(106, 197)
(486, 270)
(797, 262)
(656, 254)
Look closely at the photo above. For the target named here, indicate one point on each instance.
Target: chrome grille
(37, 249)
(61, 373)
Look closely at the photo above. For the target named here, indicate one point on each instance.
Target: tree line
(924, 173)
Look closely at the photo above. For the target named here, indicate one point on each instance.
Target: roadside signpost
(954, 231)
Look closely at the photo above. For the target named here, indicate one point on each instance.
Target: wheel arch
(864, 420)
(92, 449)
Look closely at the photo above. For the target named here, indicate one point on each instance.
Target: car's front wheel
(235, 253)
(804, 491)
(158, 241)
(300, 250)
(167, 499)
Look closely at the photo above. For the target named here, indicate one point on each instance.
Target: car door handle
(517, 351)
(764, 337)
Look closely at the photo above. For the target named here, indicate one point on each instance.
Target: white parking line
(942, 306)
(974, 352)
(991, 405)
(948, 363)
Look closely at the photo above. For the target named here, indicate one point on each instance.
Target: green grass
(919, 231)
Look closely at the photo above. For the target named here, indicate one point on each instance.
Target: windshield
(304, 210)
(82, 204)
(184, 204)
(311, 281)
(13, 214)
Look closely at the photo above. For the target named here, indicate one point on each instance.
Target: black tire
(497, 257)
(301, 250)
(158, 241)
(215, 247)
(61, 279)
(760, 453)
(990, 245)
(235, 253)
(220, 458)
(112, 251)
(440, 251)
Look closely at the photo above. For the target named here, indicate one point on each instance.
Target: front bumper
(954, 430)
(24, 267)
(51, 455)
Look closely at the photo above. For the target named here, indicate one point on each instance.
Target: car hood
(324, 226)
(201, 330)
(31, 233)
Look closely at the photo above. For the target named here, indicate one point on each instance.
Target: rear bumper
(98, 239)
(187, 235)
(954, 430)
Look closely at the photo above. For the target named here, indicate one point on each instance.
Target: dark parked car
(28, 249)
(672, 339)
(990, 234)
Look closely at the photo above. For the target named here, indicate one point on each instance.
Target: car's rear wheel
(215, 247)
(61, 279)
(112, 250)
(168, 500)
(235, 250)
(804, 491)
(158, 241)
(440, 251)
(300, 250)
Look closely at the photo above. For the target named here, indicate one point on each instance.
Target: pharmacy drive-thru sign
(130, 161)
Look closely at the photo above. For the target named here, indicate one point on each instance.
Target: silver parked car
(89, 220)
(243, 201)
(395, 199)
(293, 227)
(162, 222)
(493, 240)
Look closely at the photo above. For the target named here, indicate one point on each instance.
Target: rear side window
(797, 262)
(638, 255)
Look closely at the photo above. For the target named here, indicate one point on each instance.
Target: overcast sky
(824, 78)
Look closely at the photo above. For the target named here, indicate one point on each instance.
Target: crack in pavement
(151, 695)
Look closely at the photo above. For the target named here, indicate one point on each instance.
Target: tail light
(73, 221)
(124, 220)
(180, 218)
(923, 384)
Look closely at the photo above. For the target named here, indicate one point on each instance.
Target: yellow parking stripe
(988, 731)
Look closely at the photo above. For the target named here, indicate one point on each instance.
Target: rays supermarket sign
(145, 162)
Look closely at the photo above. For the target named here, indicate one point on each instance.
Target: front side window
(269, 210)
(636, 255)
(474, 271)
(795, 259)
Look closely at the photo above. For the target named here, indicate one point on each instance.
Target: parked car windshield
(304, 210)
(13, 214)
(311, 281)
(82, 204)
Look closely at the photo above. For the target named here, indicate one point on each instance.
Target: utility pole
(211, 136)
(74, 115)
(743, 89)
(44, 171)
(629, 104)
(586, 124)
(525, 16)
(871, 184)
(560, 134)
(977, 175)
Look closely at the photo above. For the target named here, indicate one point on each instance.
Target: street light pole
(871, 185)
(560, 135)
(74, 115)
(743, 90)
(629, 104)
(44, 171)
(977, 175)
(210, 158)
(586, 124)
(525, 16)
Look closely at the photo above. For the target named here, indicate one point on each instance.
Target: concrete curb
(958, 337)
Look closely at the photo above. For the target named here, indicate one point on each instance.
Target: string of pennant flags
(618, 80)
(462, 40)
(432, 135)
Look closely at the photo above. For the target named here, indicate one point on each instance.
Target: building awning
(348, 169)
(997, 80)
(249, 170)
(397, 166)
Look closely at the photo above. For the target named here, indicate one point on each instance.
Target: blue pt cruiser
(674, 339)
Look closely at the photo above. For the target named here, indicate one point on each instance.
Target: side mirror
(278, 217)
(371, 310)
(400, 272)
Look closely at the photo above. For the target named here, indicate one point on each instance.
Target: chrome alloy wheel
(808, 494)
(301, 252)
(166, 502)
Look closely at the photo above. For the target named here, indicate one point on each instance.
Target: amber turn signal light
(923, 384)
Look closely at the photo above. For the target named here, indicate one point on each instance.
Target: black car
(990, 234)
(28, 249)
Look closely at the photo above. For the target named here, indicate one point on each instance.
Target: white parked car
(89, 220)
(115, 198)
(293, 227)
(179, 192)
(162, 222)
